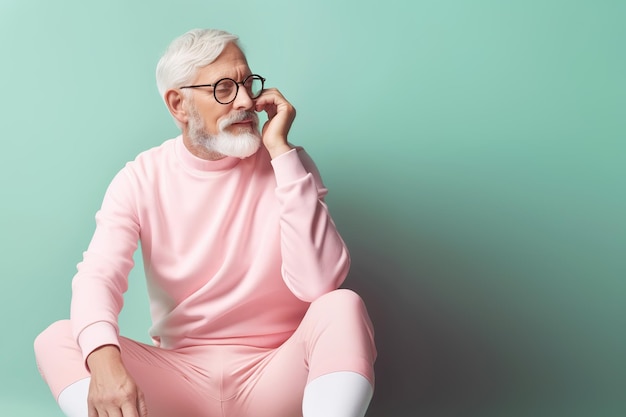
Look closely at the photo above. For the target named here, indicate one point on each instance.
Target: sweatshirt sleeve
(315, 258)
(102, 275)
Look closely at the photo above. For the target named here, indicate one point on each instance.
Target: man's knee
(341, 298)
(341, 328)
(58, 357)
(52, 337)
(340, 305)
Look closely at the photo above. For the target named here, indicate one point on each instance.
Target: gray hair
(188, 53)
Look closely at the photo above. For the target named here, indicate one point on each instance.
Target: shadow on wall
(432, 360)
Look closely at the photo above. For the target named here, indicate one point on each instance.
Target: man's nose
(243, 101)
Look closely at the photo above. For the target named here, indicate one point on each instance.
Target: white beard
(240, 145)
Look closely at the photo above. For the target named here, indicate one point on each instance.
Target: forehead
(231, 63)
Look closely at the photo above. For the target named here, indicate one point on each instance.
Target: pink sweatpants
(230, 380)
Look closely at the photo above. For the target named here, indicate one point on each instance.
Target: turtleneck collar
(199, 164)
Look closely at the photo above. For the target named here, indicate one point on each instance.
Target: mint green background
(474, 151)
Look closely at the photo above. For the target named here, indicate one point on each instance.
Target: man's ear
(174, 101)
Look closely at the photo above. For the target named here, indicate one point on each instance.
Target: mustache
(239, 117)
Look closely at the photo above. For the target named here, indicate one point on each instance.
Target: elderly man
(242, 259)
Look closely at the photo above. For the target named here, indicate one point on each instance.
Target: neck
(200, 151)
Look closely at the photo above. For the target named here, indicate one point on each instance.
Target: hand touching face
(280, 116)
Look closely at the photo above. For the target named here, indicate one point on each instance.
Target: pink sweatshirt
(233, 250)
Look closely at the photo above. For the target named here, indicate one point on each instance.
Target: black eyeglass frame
(236, 85)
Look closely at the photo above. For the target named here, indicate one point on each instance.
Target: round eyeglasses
(225, 90)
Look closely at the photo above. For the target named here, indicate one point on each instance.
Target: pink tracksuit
(242, 262)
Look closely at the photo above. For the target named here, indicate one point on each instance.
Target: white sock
(73, 399)
(338, 394)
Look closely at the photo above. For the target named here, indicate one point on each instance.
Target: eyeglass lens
(226, 89)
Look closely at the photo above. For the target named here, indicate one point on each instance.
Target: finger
(270, 97)
(272, 100)
(271, 92)
(141, 405)
(271, 111)
(129, 410)
(264, 105)
(113, 412)
(103, 410)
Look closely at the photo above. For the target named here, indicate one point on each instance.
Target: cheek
(211, 119)
(212, 125)
(211, 115)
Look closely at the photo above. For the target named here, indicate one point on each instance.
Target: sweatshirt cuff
(288, 168)
(96, 335)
